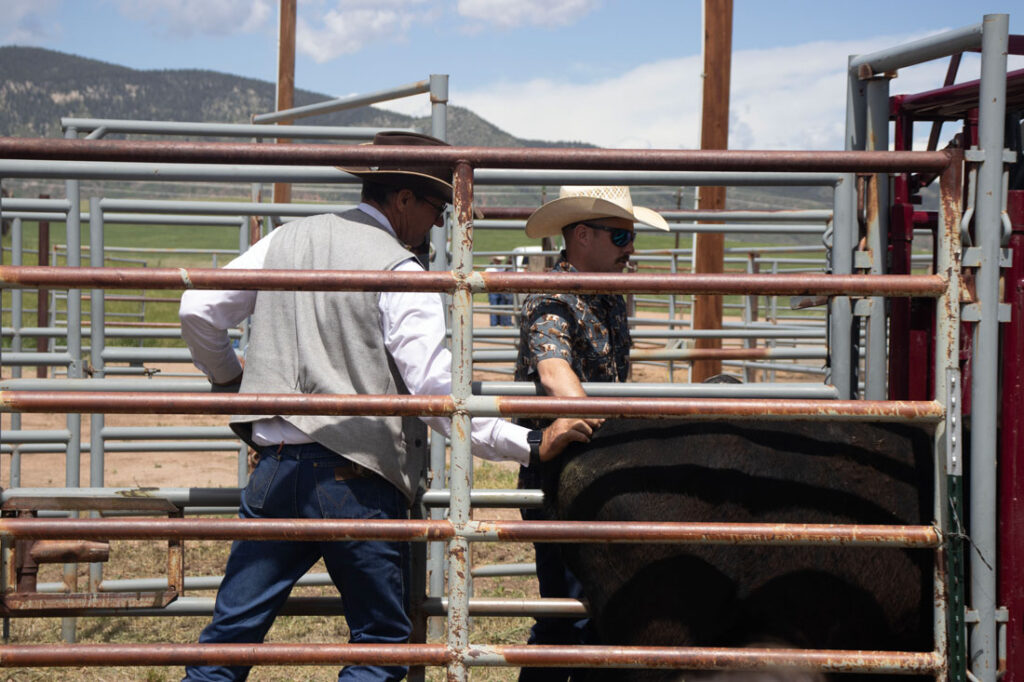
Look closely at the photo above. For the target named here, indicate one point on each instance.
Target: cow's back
(752, 472)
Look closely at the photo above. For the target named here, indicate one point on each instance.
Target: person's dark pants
(555, 581)
(498, 319)
(310, 481)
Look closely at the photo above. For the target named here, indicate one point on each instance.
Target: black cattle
(816, 597)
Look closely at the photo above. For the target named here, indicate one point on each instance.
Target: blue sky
(611, 72)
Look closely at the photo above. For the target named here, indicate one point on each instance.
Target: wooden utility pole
(285, 78)
(714, 134)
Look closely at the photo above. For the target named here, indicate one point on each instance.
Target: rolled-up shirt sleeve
(414, 334)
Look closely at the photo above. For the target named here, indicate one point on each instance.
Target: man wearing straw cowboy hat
(566, 339)
(329, 466)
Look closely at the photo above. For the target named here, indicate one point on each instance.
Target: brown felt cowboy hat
(579, 203)
(432, 180)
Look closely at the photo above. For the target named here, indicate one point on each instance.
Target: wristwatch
(534, 437)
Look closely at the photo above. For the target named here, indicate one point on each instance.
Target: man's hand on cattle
(561, 432)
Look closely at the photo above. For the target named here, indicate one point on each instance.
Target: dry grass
(137, 559)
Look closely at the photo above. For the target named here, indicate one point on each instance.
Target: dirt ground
(162, 469)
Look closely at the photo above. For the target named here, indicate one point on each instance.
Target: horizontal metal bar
(23, 359)
(9, 204)
(732, 215)
(230, 208)
(478, 282)
(440, 405)
(320, 606)
(708, 658)
(170, 172)
(12, 656)
(692, 658)
(151, 385)
(477, 157)
(181, 497)
(441, 497)
(28, 436)
(686, 228)
(341, 103)
(302, 530)
(414, 530)
(185, 403)
(504, 570)
(918, 51)
(132, 446)
(805, 391)
(85, 125)
(121, 354)
(492, 176)
(682, 354)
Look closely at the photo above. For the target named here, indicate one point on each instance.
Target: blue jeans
(310, 481)
(500, 320)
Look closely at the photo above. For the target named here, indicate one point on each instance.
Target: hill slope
(38, 87)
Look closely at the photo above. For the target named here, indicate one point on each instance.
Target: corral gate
(461, 282)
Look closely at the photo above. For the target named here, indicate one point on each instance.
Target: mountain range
(39, 86)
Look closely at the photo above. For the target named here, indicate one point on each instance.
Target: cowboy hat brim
(413, 180)
(549, 219)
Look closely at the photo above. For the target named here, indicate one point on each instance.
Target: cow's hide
(818, 597)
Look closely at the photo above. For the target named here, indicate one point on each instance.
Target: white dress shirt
(412, 324)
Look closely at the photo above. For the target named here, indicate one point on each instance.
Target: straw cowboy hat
(579, 203)
(433, 180)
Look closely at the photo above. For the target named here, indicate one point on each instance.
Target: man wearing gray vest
(339, 466)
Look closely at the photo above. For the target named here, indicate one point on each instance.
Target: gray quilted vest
(305, 342)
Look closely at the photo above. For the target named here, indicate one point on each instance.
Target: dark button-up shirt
(589, 331)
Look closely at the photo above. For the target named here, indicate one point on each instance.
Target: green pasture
(225, 238)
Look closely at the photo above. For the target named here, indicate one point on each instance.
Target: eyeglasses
(440, 208)
(620, 236)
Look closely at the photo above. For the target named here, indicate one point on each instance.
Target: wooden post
(285, 79)
(714, 134)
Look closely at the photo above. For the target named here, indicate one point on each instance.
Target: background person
(566, 339)
(497, 298)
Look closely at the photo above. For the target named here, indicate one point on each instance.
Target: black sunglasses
(620, 236)
(440, 208)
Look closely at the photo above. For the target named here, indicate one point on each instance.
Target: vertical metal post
(841, 342)
(877, 201)
(844, 336)
(244, 238)
(461, 460)
(73, 464)
(985, 368)
(438, 261)
(97, 342)
(17, 312)
(42, 295)
(949, 574)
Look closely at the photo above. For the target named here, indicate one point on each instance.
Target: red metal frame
(912, 332)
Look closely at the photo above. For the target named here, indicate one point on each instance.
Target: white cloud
(783, 98)
(512, 13)
(351, 25)
(28, 22)
(187, 18)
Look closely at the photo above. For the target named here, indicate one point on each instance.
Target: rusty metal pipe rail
(894, 662)
(441, 405)
(806, 284)
(179, 151)
(414, 530)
